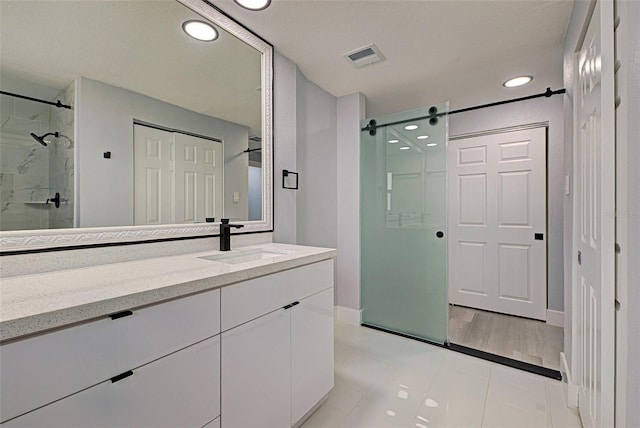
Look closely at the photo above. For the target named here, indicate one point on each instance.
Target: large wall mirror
(157, 134)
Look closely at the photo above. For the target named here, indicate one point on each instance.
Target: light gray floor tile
(389, 381)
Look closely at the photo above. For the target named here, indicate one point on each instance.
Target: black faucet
(225, 234)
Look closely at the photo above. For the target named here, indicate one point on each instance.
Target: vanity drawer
(251, 299)
(154, 331)
(310, 279)
(41, 369)
(181, 389)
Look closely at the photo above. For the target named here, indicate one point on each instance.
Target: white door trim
(605, 206)
(534, 125)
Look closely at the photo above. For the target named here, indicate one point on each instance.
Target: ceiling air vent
(364, 56)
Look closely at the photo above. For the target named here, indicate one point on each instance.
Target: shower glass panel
(403, 224)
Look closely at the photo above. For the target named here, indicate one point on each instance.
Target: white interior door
(154, 175)
(198, 179)
(594, 232)
(497, 222)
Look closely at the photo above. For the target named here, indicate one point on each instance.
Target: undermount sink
(242, 256)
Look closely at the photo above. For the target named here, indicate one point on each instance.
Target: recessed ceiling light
(253, 4)
(432, 144)
(200, 30)
(393, 141)
(405, 148)
(517, 81)
(411, 127)
(422, 137)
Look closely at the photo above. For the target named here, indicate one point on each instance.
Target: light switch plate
(236, 197)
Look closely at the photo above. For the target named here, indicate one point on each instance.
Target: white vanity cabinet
(147, 364)
(253, 353)
(277, 351)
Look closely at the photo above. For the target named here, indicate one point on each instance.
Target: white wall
(350, 110)
(522, 113)
(105, 123)
(284, 148)
(304, 142)
(317, 164)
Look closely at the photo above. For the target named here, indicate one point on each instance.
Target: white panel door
(153, 175)
(198, 179)
(497, 222)
(311, 352)
(594, 232)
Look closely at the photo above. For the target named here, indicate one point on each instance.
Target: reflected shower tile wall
(30, 188)
(61, 165)
(24, 164)
(21, 216)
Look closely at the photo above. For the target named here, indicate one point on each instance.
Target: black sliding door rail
(58, 103)
(372, 125)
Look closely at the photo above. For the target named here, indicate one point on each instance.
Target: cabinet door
(311, 352)
(256, 373)
(213, 424)
(179, 390)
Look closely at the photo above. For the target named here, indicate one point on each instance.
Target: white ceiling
(456, 50)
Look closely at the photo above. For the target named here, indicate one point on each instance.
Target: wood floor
(521, 339)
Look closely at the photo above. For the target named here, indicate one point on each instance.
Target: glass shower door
(403, 224)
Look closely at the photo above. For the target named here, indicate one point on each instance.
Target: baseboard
(555, 318)
(348, 315)
(571, 389)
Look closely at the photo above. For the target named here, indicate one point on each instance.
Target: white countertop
(32, 304)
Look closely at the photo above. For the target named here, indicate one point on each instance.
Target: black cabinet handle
(290, 305)
(120, 315)
(121, 376)
(538, 236)
(439, 234)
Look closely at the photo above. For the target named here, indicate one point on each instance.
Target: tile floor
(521, 339)
(382, 380)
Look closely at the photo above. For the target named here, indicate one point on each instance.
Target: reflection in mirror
(162, 128)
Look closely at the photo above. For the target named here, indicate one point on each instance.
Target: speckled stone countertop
(32, 304)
